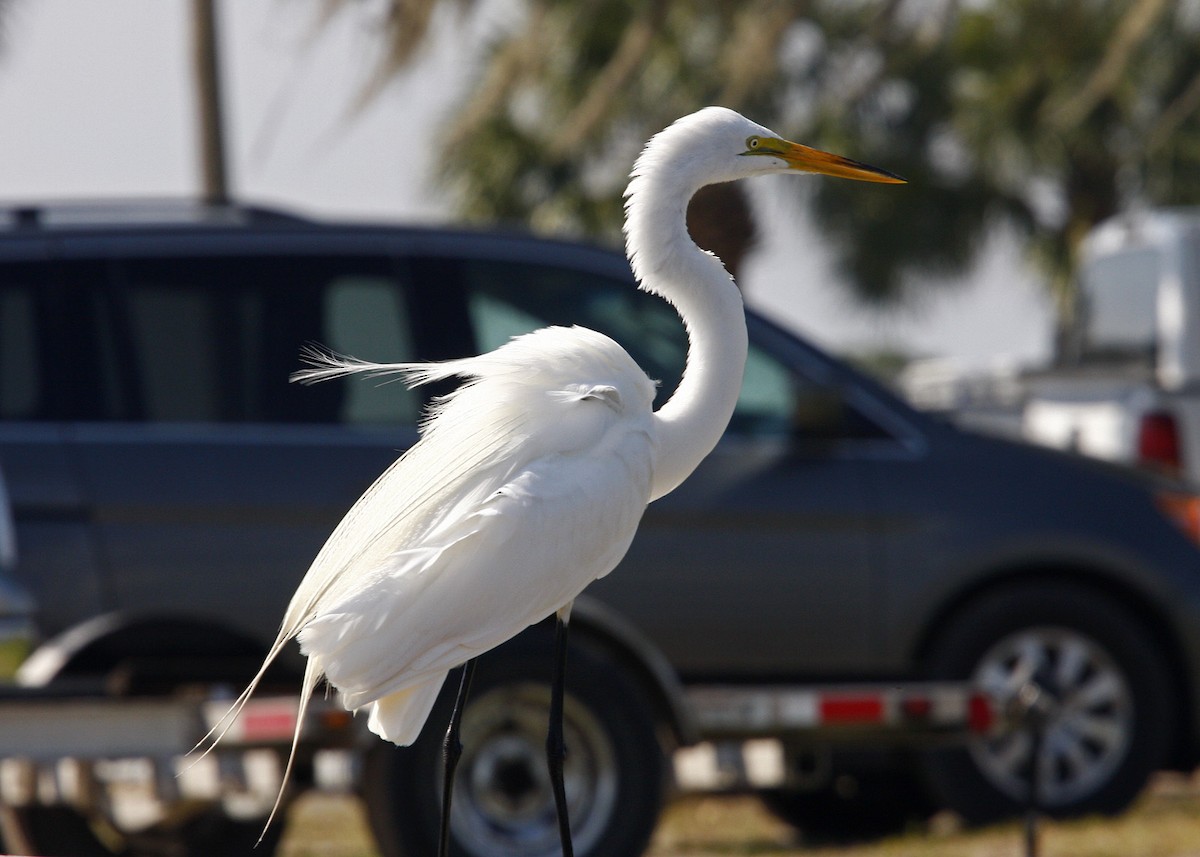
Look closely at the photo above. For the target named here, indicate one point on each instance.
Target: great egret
(529, 480)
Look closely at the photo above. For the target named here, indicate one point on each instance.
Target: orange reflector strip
(1184, 511)
(336, 720)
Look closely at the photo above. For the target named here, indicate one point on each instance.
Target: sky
(95, 101)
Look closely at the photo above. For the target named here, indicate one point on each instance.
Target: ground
(1165, 823)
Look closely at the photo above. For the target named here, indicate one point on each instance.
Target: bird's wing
(516, 406)
(556, 391)
(498, 564)
(402, 500)
(412, 494)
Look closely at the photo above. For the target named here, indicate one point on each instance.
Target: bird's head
(718, 144)
(706, 147)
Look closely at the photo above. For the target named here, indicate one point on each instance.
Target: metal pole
(1033, 714)
(209, 118)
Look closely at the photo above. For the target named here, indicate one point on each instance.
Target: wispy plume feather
(325, 364)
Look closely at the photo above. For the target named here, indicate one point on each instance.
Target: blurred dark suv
(170, 489)
(17, 633)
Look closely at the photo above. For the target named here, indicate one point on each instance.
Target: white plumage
(446, 557)
(528, 482)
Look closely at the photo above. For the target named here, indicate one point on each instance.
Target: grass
(1165, 823)
(325, 825)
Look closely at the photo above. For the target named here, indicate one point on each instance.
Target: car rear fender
(603, 626)
(144, 654)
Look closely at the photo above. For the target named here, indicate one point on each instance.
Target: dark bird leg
(451, 751)
(556, 749)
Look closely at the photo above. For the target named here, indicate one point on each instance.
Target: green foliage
(565, 103)
(1047, 114)
(1039, 112)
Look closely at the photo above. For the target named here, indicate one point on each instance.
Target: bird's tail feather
(218, 730)
(325, 364)
(312, 674)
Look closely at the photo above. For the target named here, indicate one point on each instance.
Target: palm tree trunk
(210, 123)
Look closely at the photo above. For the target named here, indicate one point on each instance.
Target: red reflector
(981, 717)
(1158, 441)
(917, 708)
(268, 724)
(851, 709)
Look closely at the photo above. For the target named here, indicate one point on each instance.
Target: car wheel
(1103, 691)
(614, 771)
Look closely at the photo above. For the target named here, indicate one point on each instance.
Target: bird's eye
(752, 143)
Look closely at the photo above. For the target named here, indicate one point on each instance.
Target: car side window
(505, 299)
(204, 339)
(22, 388)
(366, 317)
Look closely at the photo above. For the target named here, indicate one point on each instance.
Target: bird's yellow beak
(810, 160)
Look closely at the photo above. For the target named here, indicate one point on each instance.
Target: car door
(761, 560)
(212, 481)
(41, 386)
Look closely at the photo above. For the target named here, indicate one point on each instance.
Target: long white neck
(668, 263)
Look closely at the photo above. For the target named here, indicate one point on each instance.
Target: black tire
(1111, 710)
(215, 832)
(852, 808)
(59, 831)
(616, 766)
(62, 831)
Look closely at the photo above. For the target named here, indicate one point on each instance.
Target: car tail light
(1183, 509)
(1158, 442)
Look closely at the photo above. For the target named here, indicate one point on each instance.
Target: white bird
(528, 481)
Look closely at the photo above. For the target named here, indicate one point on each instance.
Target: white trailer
(1128, 387)
(75, 763)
